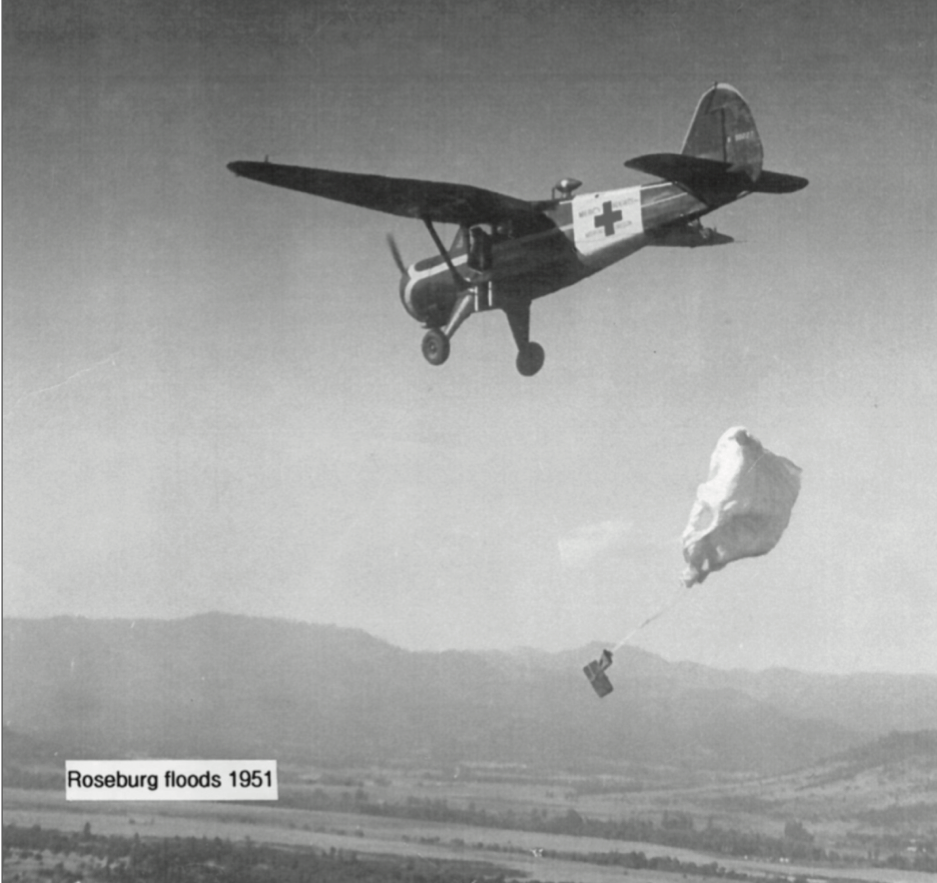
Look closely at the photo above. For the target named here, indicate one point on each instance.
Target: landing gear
(436, 340)
(435, 347)
(529, 354)
(530, 359)
(470, 293)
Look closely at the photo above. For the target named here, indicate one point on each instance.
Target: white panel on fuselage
(607, 226)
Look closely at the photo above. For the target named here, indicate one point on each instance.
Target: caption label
(171, 780)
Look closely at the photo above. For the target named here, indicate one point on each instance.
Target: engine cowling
(427, 297)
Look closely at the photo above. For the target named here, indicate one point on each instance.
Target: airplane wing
(435, 201)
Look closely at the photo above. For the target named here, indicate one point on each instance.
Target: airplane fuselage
(591, 232)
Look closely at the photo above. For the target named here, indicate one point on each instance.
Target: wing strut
(459, 279)
(436, 340)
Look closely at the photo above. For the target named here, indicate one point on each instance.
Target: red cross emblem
(608, 218)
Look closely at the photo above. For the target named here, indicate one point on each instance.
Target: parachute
(742, 510)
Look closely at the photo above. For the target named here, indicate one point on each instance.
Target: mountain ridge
(223, 684)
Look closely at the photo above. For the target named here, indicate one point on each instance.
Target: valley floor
(518, 853)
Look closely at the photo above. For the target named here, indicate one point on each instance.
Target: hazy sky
(213, 399)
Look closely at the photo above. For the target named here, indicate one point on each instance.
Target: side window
(458, 242)
(479, 257)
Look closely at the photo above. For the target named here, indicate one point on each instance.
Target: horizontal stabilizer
(778, 182)
(710, 176)
(687, 170)
(687, 235)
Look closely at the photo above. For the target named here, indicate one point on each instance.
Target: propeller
(395, 254)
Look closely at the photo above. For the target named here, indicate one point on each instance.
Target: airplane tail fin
(723, 129)
(722, 154)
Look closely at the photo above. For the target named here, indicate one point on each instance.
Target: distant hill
(232, 686)
(29, 749)
(899, 766)
(894, 750)
(888, 783)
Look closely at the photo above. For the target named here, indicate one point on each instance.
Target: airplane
(508, 252)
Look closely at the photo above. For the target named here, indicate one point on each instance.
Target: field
(437, 817)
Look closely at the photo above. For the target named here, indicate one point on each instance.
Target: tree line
(118, 859)
(676, 829)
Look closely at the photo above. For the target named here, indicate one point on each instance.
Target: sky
(213, 399)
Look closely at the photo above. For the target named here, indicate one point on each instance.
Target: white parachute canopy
(742, 510)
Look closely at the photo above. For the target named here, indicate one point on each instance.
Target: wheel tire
(435, 347)
(530, 359)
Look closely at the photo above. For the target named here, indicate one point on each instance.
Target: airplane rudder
(723, 129)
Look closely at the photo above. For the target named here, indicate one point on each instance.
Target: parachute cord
(679, 595)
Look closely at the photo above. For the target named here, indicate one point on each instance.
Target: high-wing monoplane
(507, 252)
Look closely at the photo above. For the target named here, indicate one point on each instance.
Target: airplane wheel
(530, 359)
(435, 347)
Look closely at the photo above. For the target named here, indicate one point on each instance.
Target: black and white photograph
(469, 442)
